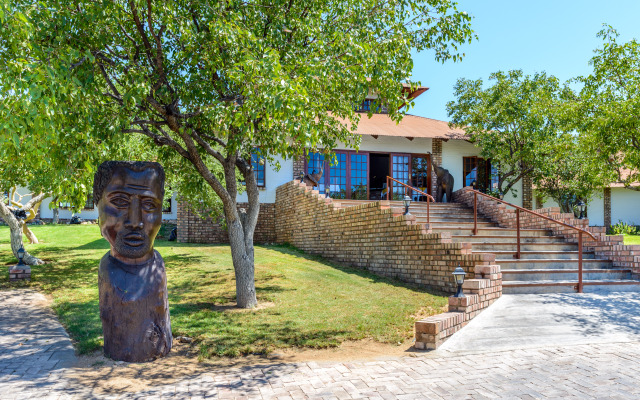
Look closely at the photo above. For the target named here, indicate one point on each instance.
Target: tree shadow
(363, 273)
(598, 314)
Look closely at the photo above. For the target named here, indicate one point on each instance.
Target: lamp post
(581, 206)
(458, 275)
(301, 176)
(327, 191)
(407, 203)
(20, 271)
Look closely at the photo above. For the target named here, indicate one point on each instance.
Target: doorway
(379, 170)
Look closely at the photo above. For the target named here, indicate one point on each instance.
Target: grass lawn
(631, 239)
(307, 301)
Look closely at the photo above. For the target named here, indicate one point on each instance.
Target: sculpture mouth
(134, 240)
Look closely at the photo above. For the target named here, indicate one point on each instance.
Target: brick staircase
(548, 264)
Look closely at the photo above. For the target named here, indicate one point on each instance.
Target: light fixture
(301, 176)
(407, 203)
(327, 191)
(20, 256)
(458, 275)
(581, 206)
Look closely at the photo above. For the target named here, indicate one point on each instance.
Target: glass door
(400, 170)
(338, 177)
(421, 175)
(358, 177)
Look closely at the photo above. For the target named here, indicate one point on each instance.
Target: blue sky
(553, 36)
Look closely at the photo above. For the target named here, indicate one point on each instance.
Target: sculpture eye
(120, 202)
(148, 205)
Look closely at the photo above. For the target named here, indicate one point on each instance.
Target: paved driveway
(601, 361)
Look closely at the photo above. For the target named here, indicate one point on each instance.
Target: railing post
(518, 233)
(580, 284)
(475, 213)
(428, 213)
(388, 188)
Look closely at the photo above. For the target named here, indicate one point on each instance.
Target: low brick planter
(480, 293)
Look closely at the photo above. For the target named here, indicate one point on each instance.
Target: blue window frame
(258, 164)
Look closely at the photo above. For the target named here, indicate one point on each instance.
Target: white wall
(273, 179)
(625, 206)
(595, 210)
(392, 144)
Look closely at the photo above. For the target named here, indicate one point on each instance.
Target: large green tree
(571, 172)
(210, 81)
(609, 107)
(513, 121)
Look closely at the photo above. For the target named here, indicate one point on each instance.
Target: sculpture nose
(134, 220)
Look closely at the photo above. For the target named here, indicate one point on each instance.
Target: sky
(553, 36)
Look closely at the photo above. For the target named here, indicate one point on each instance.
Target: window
(338, 177)
(400, 171)
(359, 168)
(347, 178)
(166, 206)
(370, 104)
(258, 164)
(479, 173)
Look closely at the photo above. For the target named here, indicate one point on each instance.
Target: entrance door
(421, 174)
(400, 170)
(378, 172)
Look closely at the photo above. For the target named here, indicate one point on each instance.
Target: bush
(622, 228)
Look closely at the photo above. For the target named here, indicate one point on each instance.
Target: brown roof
(411, 126)
(624, 174)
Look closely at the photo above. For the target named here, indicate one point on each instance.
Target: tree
(609, 107)
(514, 121)
(209, 82)
(571, 173)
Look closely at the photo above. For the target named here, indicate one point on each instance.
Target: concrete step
(536, 246)
(492, 231)
(454, 221)
(536, 255)
(540, 286)
(453, 225)
(553, 264)
(563, 274)
(506, 239)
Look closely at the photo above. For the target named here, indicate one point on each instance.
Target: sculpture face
(130, 212)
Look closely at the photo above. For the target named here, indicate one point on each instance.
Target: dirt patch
(106, 376)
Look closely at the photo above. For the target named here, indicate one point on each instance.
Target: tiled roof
(411, 126)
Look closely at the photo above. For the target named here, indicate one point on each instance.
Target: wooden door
(401, 170)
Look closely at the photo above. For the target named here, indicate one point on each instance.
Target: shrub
(622, 228)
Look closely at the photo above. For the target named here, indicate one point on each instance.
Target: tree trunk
(16, 230)
(56, 217)
(29, 234)
(243, 261)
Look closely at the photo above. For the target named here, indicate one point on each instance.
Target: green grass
(631, 239)
(310, 302)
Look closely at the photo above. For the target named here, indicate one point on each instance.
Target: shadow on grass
(293, 251)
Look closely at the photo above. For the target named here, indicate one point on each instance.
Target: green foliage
(513, 121)
(622, 228)
(609, 107)
(205, 81)
(571, 172)
(307, 301)
(359, 192)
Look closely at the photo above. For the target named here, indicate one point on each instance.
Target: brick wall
(527, 193)
(372, 236)
(298, 167)
(436, 159)
(481, 292)
(194, 229)
(605, 247)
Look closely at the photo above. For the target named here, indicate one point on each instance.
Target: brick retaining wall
(194, 229)
(372, 236)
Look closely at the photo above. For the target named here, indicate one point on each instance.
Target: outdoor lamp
(407, 203)
(20, 256)
(301, 176)
(581, 207)
(458, 275)
(327, 190)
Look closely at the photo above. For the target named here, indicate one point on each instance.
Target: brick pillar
(436, 159)
(298, 167)
(607, 207)
(527, 193)
(183, 221)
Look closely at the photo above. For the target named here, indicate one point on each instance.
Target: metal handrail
(429, 197)
(518, 209)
